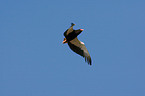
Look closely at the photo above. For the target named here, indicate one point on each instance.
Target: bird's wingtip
(89, 61)
(72, 24)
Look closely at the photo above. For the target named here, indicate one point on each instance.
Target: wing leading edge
(80, 48)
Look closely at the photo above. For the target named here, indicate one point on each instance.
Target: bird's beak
(82, 29)
(64, 41)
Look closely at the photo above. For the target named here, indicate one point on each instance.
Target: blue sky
(34, 62)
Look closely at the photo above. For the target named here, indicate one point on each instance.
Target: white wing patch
(82, 42)
(76, 42)
(79, 44)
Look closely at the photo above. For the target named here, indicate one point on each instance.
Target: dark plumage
(76, 45)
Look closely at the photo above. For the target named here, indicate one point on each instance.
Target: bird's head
(78, 31)
(81, 29)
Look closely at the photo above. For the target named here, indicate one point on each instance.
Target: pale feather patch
(82, 43)
(79, 44)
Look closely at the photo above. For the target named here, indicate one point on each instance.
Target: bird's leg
(64, 41)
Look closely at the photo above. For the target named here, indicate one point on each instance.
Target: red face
(81, 29)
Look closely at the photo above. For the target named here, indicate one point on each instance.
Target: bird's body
(76, 45)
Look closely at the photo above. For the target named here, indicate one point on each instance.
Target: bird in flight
(76, 45)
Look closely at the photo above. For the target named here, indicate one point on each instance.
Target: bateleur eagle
(76, 45)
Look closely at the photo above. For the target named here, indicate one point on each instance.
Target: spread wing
(69, 30)
(79, 47)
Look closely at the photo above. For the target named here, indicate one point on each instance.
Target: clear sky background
(34, 62)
